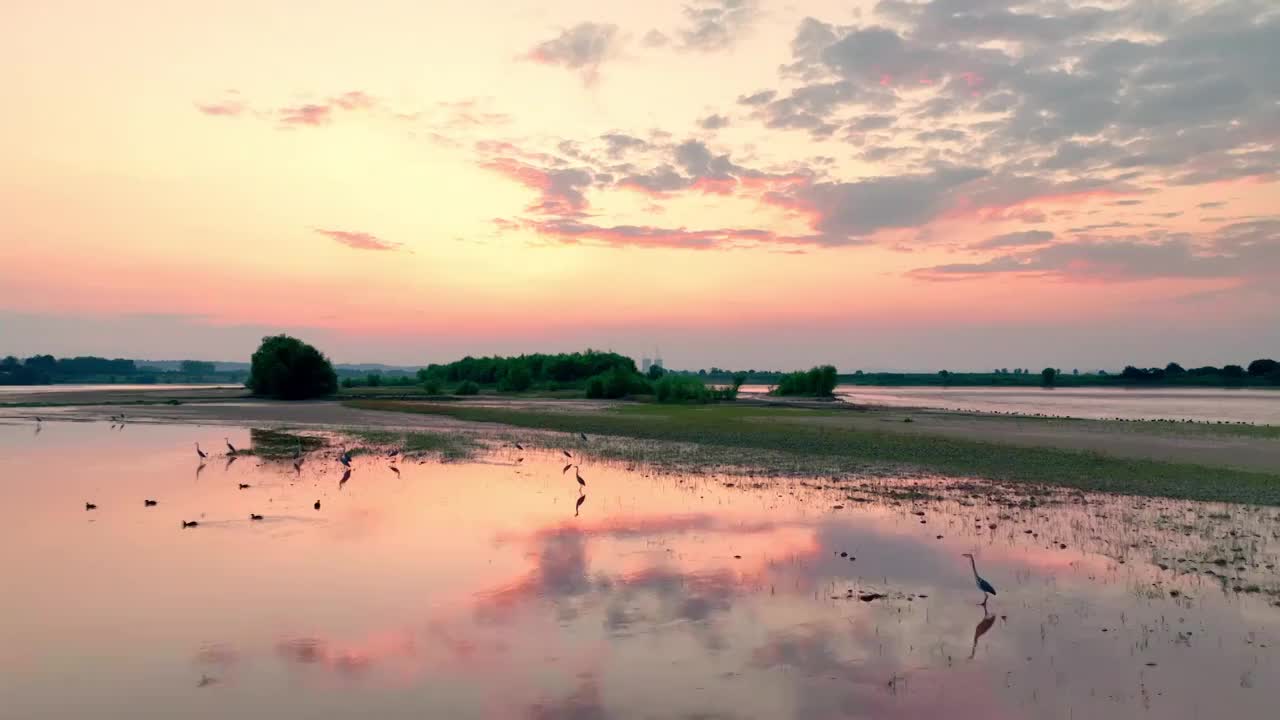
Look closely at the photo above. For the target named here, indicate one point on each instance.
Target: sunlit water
(1200, 404)
(472, 590)
(106, 387)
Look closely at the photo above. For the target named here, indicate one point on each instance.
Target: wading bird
(581, 499)
(297, 466)
(395, 470)
(566, 468)
(148, 503)
(231, 449)
(346, 475)
(519, 446)
(200, 452)
(566, 454)
(583, 436)
(983, 585)
(582, 484)
(345, 458)
(90, 506)
(244, 486)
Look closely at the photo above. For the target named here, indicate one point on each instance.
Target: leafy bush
(467, 387)
(815, 382)
(689, 389)
(1048, 376)
(286, 368)
(618, 382)
(432, 386)
(515, 378)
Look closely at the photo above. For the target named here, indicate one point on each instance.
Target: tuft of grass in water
(749, 430)
(279, 444)
(450, 446)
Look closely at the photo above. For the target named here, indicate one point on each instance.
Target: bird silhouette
(317, 505)
(231, 449)
(346, 475)
(583, 436)
(244, 486)
(581, 499)
(90, 506)
(200, 452)
(566, 468)
(297, 466)
(566, 454)
(191, 523)
(395, 470)
(519, 446)
(983, 585)
(252, 516)
(581, 483)
(393, 452)
(148, 503)
(983, 626)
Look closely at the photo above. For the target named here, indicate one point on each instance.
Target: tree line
(47, 369)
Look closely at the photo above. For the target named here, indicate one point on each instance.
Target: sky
(961, 184)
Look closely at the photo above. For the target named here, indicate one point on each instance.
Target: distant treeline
(46, 369)
(1259, 373)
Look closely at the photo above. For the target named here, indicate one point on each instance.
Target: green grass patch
(449, 446)
(751, 429)
(279, 445)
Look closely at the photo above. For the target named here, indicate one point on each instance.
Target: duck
(190, 523)
(253, 516)
(148, 503)
(244, 486)
(90, 506)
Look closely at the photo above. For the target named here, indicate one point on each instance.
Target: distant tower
(657, 358)
(644, 364)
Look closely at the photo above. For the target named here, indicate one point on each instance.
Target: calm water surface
(105, 387)
(1210, 405)
(472, 590)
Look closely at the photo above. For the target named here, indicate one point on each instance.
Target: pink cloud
(225, 108)
(359, 240)
(309, 114)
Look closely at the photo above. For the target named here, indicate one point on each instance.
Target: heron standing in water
(582, 484)
(983, 585)
(200, 452)
(345, 458)
(231, 449)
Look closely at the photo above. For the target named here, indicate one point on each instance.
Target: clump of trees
(528, 372)
(816, 382)
(286, 368)
(687, 389)
(46, 369)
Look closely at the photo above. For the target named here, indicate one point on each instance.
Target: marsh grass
(748, 432)
(280, 444)
(450, 446)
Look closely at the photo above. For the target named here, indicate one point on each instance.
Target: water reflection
(469, 590)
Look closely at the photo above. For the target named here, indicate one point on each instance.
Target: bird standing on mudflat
(200, 452)
(231, 449)
(582, 484)
(986, 587)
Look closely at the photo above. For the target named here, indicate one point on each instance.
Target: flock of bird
(344, 458)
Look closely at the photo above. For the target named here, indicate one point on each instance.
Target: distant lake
(105, 387)
(1203, 404)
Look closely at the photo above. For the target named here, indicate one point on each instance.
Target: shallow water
(1201, 404)
(471, 590)
(106, 387)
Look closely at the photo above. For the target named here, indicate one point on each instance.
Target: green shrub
(515, 378)
(286, 368)
(467, 387)
(815, 382)
(617, 383)
(432, 386)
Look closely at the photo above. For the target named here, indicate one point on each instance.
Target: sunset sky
(916, 185)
